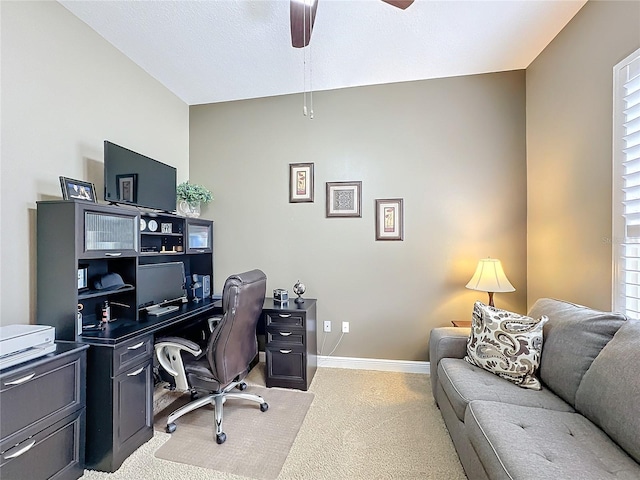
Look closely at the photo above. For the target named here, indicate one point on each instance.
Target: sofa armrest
(446, 342)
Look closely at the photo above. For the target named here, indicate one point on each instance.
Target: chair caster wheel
(264, 407)
(194, 395)
(220, 439)
(241, 386)
(171, 427)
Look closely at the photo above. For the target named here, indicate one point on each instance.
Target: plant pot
(189, 209)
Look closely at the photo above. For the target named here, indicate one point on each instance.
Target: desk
(120, 379)
(120, 382)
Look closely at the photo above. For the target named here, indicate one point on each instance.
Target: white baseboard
(404, 366)
(262, 357)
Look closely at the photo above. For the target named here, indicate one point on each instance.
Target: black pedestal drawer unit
(42, 416)
(119, 401)
(290, 343)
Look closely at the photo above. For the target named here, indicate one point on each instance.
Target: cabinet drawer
(285, 336)
(284, 319)
(131, 353)
(285, 363)
(55, 452)
(46, 392)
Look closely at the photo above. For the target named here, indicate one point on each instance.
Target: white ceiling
(220, 50)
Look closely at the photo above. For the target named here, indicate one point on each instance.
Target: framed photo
(344, 199)
(77, 190)
(389, 219)
(300, 182)
(126, 187)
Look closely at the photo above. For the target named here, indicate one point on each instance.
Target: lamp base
(491, 304)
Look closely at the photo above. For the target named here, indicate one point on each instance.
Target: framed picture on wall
(77, 190)
(300, 182)
(389, 219)
(344, 199)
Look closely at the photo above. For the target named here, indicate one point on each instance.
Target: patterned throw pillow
(506, 343)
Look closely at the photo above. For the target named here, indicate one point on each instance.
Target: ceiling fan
(303, 16)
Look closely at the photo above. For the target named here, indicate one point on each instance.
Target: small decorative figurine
(299, 288)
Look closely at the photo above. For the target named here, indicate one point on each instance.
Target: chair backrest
(233, 344)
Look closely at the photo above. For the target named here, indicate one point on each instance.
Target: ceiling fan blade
(303, 16)
(403, 4)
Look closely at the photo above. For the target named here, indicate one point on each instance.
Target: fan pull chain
(304, 59)
(305, 110)
(310, 80)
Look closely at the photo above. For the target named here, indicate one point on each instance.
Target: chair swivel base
(217, 400)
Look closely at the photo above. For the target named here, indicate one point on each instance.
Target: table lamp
(490, 278)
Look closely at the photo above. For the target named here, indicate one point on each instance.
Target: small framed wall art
(77, 190)
(389, 219)
(127, 187)
(300, 182)
(344, 199)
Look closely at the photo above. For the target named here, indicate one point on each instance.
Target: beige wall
(569, 111)
(453, 148)
(65, 90)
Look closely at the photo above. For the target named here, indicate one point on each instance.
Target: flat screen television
(160, 283)
(133, 179)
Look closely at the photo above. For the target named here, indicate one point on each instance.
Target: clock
(143, 224)
(153, 225)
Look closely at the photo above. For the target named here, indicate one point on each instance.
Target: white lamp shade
(490, 277)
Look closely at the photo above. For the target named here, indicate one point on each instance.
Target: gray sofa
(585, 422)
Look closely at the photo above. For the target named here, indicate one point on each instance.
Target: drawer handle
(137, 372)
(286, 351)
(285, 334)
(22, 380)
(284, 315)
(136, 346)
(113, 254)
(21, 451)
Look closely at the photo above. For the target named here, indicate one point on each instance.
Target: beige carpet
(361, 425)
(267, 435)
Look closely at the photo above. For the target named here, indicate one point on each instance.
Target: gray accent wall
(64, 90)
(569, 154)
(453, 149)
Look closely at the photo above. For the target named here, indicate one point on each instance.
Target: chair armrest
(168, 352)
(182, 343)
(446, 342)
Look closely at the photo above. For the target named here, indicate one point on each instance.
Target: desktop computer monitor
(160, 283)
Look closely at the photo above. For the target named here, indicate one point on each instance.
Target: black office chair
(230, 349)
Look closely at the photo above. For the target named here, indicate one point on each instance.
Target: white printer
(21, 343)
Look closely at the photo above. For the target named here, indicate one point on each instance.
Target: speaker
(205, 290)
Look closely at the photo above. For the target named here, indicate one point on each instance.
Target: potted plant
(190, 196)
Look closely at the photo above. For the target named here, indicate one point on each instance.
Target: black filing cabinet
(290, 343)
(42, 416)
(120, 401)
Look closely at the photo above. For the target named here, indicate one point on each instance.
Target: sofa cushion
(506, 343)
(609, 393)
(463, 383)
(516, 442)
(573, 337)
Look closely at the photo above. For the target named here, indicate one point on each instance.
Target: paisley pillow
(506, 343)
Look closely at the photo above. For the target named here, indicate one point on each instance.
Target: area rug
(257, 443)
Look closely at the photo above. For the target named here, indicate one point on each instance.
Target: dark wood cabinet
(120, 400)
(290, 343)
(82, 239)
(42, 416)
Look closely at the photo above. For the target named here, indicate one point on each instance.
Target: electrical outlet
(327, 326)
(345, 327)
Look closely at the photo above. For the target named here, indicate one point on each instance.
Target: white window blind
(626, 186)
